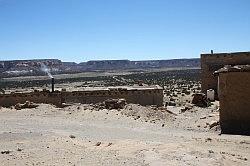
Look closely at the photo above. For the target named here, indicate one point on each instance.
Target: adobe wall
(7, 100)
(234, 94)
(137, 96)
(142, 97)
(212, 62)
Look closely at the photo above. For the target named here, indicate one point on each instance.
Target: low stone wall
(234, 95)
(7, 100)
(142, 96)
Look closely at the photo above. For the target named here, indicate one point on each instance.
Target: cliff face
(28, 67)
(33, 67)
(126, 64)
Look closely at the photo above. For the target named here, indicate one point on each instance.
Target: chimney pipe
(52, 84)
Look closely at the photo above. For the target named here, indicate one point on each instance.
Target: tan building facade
(234, 95)
(212, 62)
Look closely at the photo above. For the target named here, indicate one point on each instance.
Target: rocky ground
(135, 135)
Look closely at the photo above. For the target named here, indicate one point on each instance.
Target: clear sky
(81, 30)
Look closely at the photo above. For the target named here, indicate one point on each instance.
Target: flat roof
(226, 53)
(82, 89)
(122, 88)
(236, 68)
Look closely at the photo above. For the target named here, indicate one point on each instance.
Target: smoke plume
(45, 69)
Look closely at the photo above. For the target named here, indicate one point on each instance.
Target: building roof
(226, 53)
(229, 68)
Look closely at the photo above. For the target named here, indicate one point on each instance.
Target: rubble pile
(111, 104)
(115, 103)
(27, 104)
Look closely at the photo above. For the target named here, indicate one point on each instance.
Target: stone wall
(142, 96)
(7, 100)
(234, 94)
(212, 62)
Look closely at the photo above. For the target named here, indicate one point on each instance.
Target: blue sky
(81, 30)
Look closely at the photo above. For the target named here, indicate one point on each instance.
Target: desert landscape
(177, 133)
(132, 82)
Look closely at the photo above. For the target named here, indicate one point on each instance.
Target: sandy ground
(136, 135)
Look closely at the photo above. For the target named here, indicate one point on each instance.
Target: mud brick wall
(137, 96)
(7, 100)
(212, 62)
(234, 94)
(142, 97)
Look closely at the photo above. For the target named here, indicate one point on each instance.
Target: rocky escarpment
(33, 67)
(28, 67)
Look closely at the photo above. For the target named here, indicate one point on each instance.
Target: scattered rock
(63, 105)
(210, 151)
(98, 144)
(208, 139)
(72, 136)
(171, 112)
(137, 117)
(211, 115)
(244, 142)
(18, 106)
(19, 149)
(213, 123)
(171, 104)
(110, 144)
(184, 109)
(5, 152)
(204, 117)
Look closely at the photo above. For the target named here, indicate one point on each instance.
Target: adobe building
(214, 61)
(143, 95)
(234, 95)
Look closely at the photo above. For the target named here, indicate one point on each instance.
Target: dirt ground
(136, 135)
(177, 134)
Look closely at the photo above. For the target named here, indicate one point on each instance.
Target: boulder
(199, 99)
